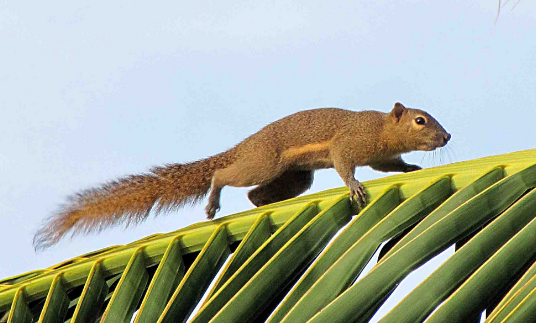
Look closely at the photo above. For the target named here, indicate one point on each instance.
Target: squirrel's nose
(446, 137)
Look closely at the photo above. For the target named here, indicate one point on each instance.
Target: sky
(94, 91)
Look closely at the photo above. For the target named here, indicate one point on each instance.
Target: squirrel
(279, 160)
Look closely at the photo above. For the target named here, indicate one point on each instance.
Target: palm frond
(298, 260)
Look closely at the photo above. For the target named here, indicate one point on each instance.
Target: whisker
(449, 152)
(447, 155)
(518, 1)
(453, 152)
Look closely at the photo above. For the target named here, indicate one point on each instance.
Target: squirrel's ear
(398, 110)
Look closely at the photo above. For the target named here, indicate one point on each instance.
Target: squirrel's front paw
(357, 193)
(211, 210)
(411, 168)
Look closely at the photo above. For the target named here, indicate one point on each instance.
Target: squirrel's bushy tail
(130, 199)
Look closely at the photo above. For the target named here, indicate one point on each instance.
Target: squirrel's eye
(420, 120)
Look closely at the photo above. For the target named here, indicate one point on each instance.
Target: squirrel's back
(312, 126)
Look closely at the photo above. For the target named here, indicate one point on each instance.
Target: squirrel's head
(418, 128)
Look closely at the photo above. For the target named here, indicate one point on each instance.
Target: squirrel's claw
(358, 194)
(211, 210)
(411, 168)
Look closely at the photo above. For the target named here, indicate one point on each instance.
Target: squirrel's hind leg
(241, 173)
(289, 184)
(213, 200)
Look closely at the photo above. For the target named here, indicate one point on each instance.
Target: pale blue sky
(90, 92)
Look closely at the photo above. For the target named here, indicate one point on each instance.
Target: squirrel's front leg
(346, 170)
(394, 165)
(357, 190)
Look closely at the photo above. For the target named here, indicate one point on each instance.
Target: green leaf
(128, 291)
(197, 279)
(505, 245)
(360, 225)
(298, 251)
(347, 268)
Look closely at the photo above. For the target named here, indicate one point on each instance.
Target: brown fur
(279, 159)
(130, 199)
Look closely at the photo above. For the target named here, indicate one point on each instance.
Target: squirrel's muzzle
(440, 140)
